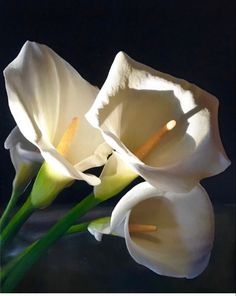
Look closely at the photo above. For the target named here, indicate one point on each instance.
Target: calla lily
(169, 233)
(25, 158)
(162, 127)
(48, 100)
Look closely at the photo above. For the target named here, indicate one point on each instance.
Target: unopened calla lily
(48, 100)
(171, 234)
(163, 128)
(25, 158)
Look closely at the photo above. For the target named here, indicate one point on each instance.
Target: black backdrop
(194, 40)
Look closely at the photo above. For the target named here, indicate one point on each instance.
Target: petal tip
(25, 49)
(121, 55)
(121, 58)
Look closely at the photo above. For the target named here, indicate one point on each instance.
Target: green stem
(6, 214)
(8, 268)
(16, 222)
(57, 231)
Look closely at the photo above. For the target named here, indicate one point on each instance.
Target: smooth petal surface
(182, 244)
(136, 101)
(21, 150)
(26, 159)
(45, 93)
(98, 158)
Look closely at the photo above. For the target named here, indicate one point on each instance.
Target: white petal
(25, 157)
(182, 244)
(60, 164)
(136, 101)
(45, 93)
(97, 159)
(21, 150)
(136, 195)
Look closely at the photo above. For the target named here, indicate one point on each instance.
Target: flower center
(137, 228)
(64, 145)
(153, 141)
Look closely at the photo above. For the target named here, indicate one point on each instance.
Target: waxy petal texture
(26, 159)
(45, 93)
(182, 243)
(136, 101)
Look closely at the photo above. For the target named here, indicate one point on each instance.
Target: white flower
(48, 100)
(169, 233)
(173, 122)
(25, 157)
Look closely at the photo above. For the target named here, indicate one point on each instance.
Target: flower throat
(154, 140)
(65, 143)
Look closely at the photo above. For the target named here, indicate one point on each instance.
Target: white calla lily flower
(162, 127)
(25, 158)
(170, 233)
(48, 100)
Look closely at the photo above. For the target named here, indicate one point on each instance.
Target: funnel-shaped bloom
(25, 158)
(164, 128)
(46, 95)
(169, 233)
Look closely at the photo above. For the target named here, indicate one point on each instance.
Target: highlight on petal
(25, 158)
(63, 167)
(45, 93)
(181, 245)
(97, 159)
(136, 101)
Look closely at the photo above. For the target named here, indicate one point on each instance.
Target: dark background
(193, 40)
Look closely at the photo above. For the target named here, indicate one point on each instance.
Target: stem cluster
(12, 274)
